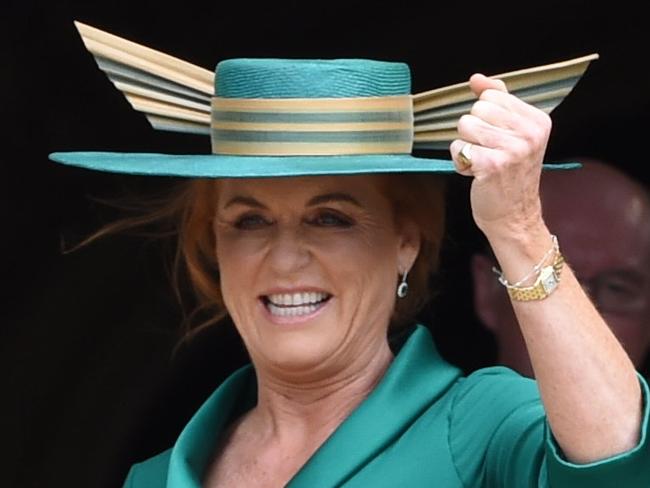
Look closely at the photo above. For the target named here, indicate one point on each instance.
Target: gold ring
(465, 154)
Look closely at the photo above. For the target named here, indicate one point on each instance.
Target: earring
(403, 287)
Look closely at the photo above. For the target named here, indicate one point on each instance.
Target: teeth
(291, 311)
(296, 300)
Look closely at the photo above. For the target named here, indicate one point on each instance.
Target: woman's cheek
(234, 245)
(360, 240)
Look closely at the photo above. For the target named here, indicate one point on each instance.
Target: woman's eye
(331, 219)
(251, 222)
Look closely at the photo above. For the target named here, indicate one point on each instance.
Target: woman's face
(309, 267)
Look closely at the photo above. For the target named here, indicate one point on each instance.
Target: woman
(315, 245)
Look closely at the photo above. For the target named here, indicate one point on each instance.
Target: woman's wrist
(519, 251)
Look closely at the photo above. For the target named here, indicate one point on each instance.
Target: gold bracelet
(547, 281)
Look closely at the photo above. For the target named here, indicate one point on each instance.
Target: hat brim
(225, 166)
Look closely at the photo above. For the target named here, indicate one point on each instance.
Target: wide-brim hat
(288, 117)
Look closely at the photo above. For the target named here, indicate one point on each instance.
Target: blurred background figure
(602, 220)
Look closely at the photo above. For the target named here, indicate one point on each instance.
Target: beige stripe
(442, 135)
(307, 149)
(366, 104)
(320, 127)
(149, 106)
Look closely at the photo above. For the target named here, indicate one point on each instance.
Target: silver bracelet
(555, 248)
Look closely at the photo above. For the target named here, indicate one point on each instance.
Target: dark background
(89, 382)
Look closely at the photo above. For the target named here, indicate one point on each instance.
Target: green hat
(288, 117)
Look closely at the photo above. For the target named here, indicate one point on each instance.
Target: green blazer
(423, 425)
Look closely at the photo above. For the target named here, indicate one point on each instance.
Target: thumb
(479, 83)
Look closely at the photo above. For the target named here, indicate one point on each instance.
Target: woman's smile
(294, 306)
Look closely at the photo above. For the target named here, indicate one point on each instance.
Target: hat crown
(301, 78)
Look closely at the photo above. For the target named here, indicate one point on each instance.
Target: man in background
(602, 220)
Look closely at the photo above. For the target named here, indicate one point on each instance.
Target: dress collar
(416, 378)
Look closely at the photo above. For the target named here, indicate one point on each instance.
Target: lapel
(417, 377)
(196, 443)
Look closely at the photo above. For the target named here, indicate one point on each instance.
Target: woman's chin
(296, 356)
(298, 363)
(300, 342)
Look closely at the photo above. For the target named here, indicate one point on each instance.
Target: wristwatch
(546, 282)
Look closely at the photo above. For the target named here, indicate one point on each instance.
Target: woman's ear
(409, 245)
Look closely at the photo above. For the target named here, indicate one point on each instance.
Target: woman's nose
(288, 251)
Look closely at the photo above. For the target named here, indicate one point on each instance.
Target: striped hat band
(312, 126)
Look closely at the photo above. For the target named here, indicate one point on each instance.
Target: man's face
(602, 220)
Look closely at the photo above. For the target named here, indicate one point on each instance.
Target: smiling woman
(334, 236)
(313, 227)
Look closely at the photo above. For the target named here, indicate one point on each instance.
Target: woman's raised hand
(508, 139)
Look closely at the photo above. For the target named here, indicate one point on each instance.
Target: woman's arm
(588, 385)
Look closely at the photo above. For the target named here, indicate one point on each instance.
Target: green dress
(423, 425)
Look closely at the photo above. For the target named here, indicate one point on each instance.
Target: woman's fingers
(495, 92)
(495, 115)
(500, 121)
(495, 147)
(480, 158)
(479, 83)
(475, 129)
(462, 167)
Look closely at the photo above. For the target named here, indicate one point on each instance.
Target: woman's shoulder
(496, 392)
(151, 473)
(497, 382)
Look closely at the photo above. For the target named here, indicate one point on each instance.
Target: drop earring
(403, 287)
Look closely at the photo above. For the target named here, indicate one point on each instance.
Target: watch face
(548, 279)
